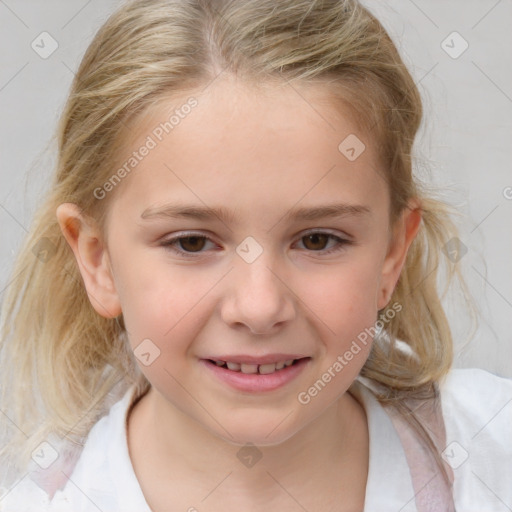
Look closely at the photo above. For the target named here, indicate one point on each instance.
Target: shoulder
(104, 477)
(477, 410)
(475, 380)
(476, 401)
(92, 483)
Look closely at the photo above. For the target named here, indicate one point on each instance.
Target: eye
(186, 244)
(317, 241)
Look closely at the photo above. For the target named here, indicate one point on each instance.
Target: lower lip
(255, 382)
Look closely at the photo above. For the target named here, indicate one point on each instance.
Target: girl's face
(285, 254)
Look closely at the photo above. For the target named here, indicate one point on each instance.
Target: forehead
(256, 147)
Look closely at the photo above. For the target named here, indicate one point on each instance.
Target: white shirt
(477, 410)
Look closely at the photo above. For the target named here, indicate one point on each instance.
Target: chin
(270, 431)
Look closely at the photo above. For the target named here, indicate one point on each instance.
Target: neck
(333, 448)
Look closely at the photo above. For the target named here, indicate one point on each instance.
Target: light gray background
(465, 140)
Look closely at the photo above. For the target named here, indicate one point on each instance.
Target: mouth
(252, 368)
(256, 375)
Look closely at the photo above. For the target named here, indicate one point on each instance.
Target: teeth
(262, 369)
(267, 368)
(249, 368)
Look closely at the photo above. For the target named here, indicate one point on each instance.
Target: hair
(60, 360)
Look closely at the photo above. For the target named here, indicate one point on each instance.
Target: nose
(257, 297)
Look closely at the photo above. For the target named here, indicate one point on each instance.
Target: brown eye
(323, 243)
(316, 241)
(189, 245)
(192, 243)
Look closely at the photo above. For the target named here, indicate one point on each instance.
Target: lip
(255, 382)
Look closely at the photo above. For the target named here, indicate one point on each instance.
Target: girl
(228, 300)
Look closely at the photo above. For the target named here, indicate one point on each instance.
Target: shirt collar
(389, 486)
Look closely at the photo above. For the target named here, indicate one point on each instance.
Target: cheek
(345, 299)
(163, 315)
(161, 305)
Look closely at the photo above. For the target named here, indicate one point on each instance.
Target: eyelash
(169, 243)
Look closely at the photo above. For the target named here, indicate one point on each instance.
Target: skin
(258, 153)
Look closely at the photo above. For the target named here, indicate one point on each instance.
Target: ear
(404, 232)
(84, 238)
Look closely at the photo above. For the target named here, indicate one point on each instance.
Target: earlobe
(85, 240)
(406, 230)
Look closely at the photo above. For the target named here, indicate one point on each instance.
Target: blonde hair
(60, 360)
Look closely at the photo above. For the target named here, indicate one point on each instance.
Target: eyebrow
(227, 216)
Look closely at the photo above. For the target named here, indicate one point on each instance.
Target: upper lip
(248, 359)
